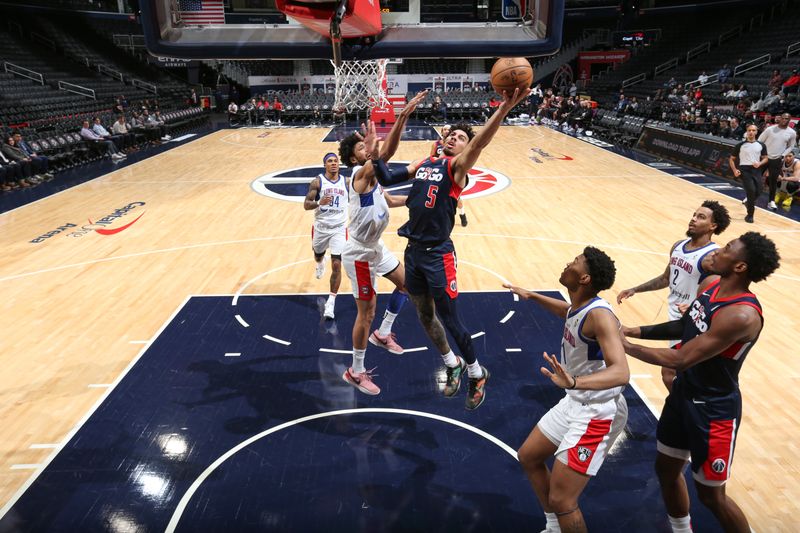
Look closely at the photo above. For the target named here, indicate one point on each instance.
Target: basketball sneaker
(320, 269)
(454, 374)
(388, 342)
(477, 393)
(328, 313)
(463, 220)
(771, 205)
(362, 381)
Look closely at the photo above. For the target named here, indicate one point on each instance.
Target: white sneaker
(320, 270)
(772, 206)
(744, 201)
(328, 313)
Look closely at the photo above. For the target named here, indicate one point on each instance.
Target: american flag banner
(201, 12)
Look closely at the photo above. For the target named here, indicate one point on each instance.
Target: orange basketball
(508, 73)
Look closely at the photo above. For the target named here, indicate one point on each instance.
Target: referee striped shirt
(749, 153)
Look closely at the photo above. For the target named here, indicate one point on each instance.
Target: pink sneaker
(389, 342)
(362, 381)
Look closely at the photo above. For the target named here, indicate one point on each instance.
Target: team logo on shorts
(453, 285)
(718, 465)
(584, 454)
(291, 184)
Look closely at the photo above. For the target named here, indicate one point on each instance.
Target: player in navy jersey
(702, 413)
(436, 151)
(430, 257)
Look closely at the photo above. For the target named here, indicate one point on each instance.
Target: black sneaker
(454, 378)
(749, 219)
(477, 393)
(463, 220)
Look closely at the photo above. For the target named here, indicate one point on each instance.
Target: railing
(697, 50)
(639, 78)
(696, 83)
(144, 85)
(793, 48)
(38, 37)
(750, 65)
(17, 70)
(663, 67)
(108, 71)
(138, 41)
(77, 89)
(730, 34)
(122, 40)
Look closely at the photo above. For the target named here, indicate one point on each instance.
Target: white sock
(552, 523)
(331, 297)
(386, 325)
(320, 261)
(358, 360)
(681, 525)
(474, 370)
(450, 359)
(460, 210)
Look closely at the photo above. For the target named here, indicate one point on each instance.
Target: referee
(779, 140)
(748, 156)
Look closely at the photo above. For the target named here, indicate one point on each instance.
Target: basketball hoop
(360, 84)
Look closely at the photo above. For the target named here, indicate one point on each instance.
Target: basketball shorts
(323, 238)
(584, 432)
(363, 263)
(431, 269)
(702, 429)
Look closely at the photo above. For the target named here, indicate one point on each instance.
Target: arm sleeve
(387, 177)
(663, 332)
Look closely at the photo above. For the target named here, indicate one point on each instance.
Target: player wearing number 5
(687, 272)
(327, 196)
(430, 257)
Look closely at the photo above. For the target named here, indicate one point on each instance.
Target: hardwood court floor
(78, 307)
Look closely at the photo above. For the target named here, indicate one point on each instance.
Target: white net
(360, 84)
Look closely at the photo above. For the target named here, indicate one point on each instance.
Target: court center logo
(100, 225)
(292, 184)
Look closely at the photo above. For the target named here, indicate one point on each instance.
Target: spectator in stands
(99, 129)
(702, 78)
(671, 84)
(121, 129)
(724, 128)
(737, 130)
(633, 105)
(233, 113)
(622, 103)
(41, 164)
(88, 135)
(316, 115)
(536, 97)
(771, 97)
(776, 80)
(193, 99)
(779, 139)
(140, 129)
(724, 74)
(573, 90)
(250, 110)
(15, 172)
(277, 110)
(13, 153)
(156, 120)
(714, 126)
(117, 109)
(339, 115)
(792, 84)
(438, 109)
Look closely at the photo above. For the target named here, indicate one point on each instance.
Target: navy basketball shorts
(431, 269)
(703, 429)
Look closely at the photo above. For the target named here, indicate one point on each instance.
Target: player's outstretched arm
(392, 140)
(555, 306)
(736, 323)
(395, 201)
(660, 282)
(467, 159)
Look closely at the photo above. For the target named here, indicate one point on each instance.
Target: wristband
(574, 383)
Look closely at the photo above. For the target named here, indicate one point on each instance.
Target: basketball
(508, 73)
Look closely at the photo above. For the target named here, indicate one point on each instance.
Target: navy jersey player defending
(702, 413)
(687, 270)
(430, 257)
(580, 430)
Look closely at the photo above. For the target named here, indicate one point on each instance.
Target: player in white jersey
(327, 196)
(687, 272)
(365, 256)
(580, 430)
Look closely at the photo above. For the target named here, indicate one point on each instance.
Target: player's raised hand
(414, 102)
(509, 101)
(522, 293)
(371, 142)
(627, 293)
(558, 375)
